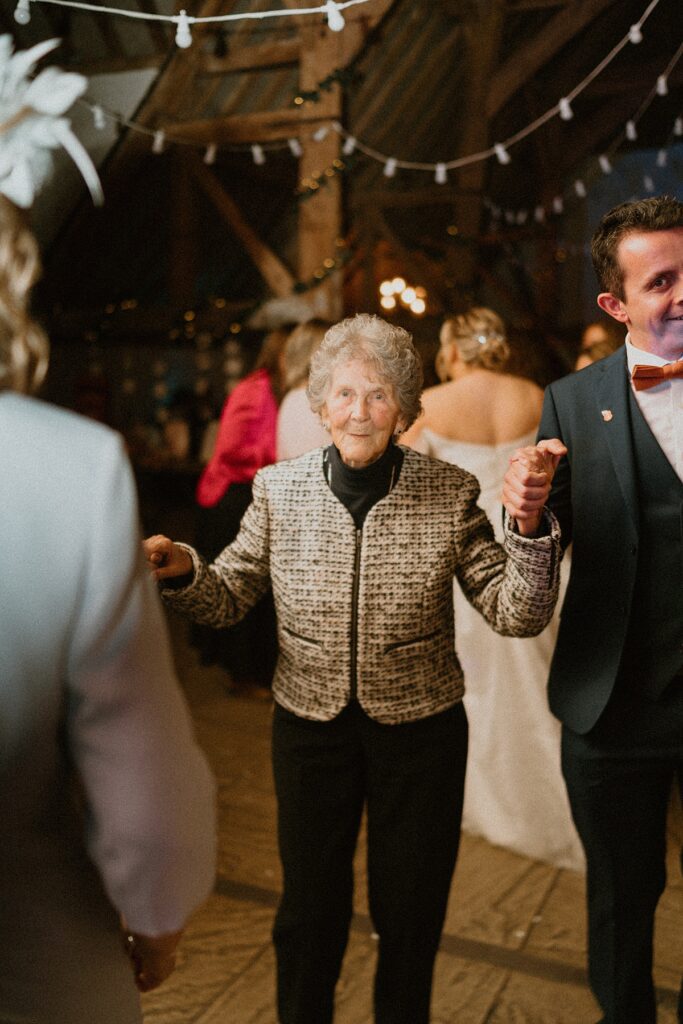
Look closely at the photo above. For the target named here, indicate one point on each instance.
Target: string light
(349, 145)
(662, 86)
(332, 9)
(661, 158)
(558, 204)
(295, 147)
(440, 176)
(605, 165)
(539, 215)
(335, 18)
(580, 188)
(22, 12)
(390, 167)
(678, 126)
(631, 131)
(183, 36)
(320, 134)
(502, 153)
(648, 183)
(210, 155)
(258, 156)
(566, 112)
(158, 141)
(98, 117)
(635, 35)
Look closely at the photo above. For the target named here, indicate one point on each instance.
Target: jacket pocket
(299, 636)
(413, 640)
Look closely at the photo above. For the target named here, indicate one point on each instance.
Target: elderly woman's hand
(165, 558)
(527, 483)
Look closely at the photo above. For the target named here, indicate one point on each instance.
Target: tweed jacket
(369, 613)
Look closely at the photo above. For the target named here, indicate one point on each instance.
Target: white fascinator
(32, 124)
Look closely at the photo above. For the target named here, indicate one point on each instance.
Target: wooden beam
(394, 198)
(256, 57)
(114, 65)
(528, 60)
(271, 268)
(262, 126)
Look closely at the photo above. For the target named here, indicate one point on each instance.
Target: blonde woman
(476, 419)
(298, 428)
(105, 799)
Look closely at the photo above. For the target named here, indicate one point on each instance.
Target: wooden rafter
(256, 57)
(528, 60)
(271, 268)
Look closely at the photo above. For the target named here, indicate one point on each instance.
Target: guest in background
(361, 541)
(514, 792)
(105, 799)
(298, 428)
(599, 339)
(245, 442)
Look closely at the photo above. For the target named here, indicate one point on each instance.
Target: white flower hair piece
(31, 125)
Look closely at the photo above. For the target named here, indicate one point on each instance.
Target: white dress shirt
(661, 405)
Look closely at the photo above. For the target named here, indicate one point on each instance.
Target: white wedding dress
(514, 791)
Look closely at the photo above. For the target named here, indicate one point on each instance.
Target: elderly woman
(361, 541)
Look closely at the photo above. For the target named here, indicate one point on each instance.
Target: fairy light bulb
(388, 302)
(390, 167)
(558, 204)
(335, 18)
(258, 155)
(210, 155)
(521, 217)
(158, 141)
(418, 306)
(22, 12)
(605, 165)
(295, 147)
(662, 86)
(539, 214)
(183, 35)
(648, 183)
(98, 118)
(635, 35)
(349, 146)
(631, 131)
(502, 153)
(678, 126)
(662, 158)
(580, 188)
(440, 175)
(566, 112)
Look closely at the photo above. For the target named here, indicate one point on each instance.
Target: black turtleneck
(360, 489)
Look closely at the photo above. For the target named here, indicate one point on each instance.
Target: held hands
(152, 958)
(165, 558)
(527, 483)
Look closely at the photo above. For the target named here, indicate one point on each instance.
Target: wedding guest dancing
(361, 541)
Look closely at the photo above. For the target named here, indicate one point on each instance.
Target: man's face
(652, 307)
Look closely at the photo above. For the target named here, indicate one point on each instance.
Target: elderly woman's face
(362, 412)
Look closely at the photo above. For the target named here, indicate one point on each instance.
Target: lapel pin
(607, 415)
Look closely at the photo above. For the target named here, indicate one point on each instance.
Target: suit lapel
(612, 395)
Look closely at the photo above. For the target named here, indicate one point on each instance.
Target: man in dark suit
(616, 680)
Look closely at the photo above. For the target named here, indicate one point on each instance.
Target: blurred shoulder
(40, 425)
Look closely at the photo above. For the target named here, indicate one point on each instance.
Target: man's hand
(165, 558)
(152, 958)
(527, 483)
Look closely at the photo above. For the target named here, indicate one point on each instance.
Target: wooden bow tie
(644, 377)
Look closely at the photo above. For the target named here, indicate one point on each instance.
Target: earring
(399, 430)
(326, 426)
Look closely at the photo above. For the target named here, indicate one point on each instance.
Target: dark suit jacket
(595, 498)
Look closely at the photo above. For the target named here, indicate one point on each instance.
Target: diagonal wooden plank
(528, 60)
(269, 265)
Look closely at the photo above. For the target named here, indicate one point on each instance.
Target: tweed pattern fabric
(378, 599)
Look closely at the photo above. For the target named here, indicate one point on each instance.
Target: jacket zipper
(354, 614)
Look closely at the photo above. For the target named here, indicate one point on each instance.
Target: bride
(477, 418)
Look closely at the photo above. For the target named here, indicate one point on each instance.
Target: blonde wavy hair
(23, 344)
(480, 337)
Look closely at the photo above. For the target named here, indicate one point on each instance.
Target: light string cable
(331, 9)
(500, 149)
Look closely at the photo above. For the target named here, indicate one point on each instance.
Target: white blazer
(86, 683)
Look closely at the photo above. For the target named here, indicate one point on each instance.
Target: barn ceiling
(416, 81)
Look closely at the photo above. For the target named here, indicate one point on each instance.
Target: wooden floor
(513, 949)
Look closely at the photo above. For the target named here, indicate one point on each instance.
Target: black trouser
(411, 776)
(619, 778)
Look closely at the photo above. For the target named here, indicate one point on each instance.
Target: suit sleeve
(560, 500)
(148, 789)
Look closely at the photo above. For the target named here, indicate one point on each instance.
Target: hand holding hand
(165, 558)
(153, 958)
(528, 480)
